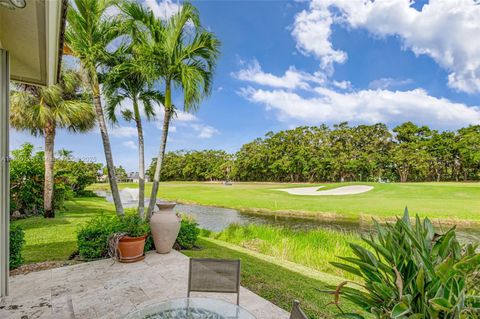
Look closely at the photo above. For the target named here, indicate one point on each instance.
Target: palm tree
(89, 32)
(182, 55)
(43, 110)
(128, 79)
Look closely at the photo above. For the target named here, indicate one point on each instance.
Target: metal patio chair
(297, 312)
(214, 275)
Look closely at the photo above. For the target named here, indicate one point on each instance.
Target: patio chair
(214, 275)
(297, 312)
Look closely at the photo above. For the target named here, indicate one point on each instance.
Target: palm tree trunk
(161, 153)
(112, 178)
(141, 161)
(48, 203)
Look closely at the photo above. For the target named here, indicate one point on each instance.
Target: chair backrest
(214, 275)
(297, 313)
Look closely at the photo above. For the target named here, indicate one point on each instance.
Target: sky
(289, 63)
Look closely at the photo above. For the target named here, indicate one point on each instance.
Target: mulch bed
(25, 269)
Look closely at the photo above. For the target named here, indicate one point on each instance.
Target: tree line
(341, 153)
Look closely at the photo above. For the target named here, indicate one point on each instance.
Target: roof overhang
(34, 37)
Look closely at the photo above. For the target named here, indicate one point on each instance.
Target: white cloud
(163, 9)
(130, 144)
(205, 131)
(445, 30)
(312, 33)
(185, 117)
(385, 83)
(365, 106)
(292, 79)
(123, 131)
(342, 84)
(189, 121)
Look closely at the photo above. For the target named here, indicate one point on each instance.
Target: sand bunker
(312, 191)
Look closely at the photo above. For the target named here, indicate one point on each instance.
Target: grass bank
(313, 248)
(449, 202)
(56, 238)
(275, 282)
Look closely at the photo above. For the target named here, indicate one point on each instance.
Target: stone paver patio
(104, 289)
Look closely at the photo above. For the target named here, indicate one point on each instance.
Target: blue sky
(286, 63)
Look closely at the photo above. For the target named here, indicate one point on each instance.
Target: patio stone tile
(109, 290)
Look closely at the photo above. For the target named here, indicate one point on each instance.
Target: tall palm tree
(43, 110)
(89, 33)
(183, 55)
(128, 79)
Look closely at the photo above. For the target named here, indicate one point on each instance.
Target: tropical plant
(27, 171)
(43, 110)
(89, 32)
(188, 234)
(182, 54)
(129, 79)
(77, 174)
(410, 271)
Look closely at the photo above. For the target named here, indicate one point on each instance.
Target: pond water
(217, 218)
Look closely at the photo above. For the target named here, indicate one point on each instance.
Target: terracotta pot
(130, 249)
(164, 225)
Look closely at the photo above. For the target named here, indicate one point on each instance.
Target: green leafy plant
(92, 239)
(410, 271)
(17, 241)
(134, 226)
(188, 234)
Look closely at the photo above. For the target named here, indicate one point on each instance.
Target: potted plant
(129, 242)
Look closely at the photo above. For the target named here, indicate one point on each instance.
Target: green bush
(189, 231)
(26, 181)
(410, 271)
(92, 239)
(133, 226)
(17, 241)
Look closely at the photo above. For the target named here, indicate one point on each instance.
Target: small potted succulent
(127, 244)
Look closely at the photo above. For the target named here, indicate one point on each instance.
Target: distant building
(134, 177)
(102, 178)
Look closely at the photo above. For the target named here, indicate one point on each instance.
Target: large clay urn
(165, 225)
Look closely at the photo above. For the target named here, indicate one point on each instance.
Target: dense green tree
(468, 143)
(77, 174)
(343, 152)
(410, 156)
(27, 171)
(44, 110)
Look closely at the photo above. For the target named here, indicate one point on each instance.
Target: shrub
(132, 225)
(26, 181)
(189, 231)
(92, 239)
(410, 271)
(17, 240)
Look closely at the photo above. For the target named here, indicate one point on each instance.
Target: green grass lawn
(276, 282)
(56, 238)
(459, 202)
